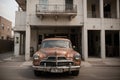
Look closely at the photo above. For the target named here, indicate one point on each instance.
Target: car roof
(56, 39)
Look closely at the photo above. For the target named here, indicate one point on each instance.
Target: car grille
(56, 61)
(54, 64)
(56, 58)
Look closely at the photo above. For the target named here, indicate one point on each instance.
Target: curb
(106, 65)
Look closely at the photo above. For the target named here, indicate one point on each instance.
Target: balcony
(22, 4)
(43, 10)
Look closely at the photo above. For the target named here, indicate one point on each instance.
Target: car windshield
(56, 43)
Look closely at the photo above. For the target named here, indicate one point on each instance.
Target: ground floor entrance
(112, 43)
(72, 33)
(94, 48)
(89, 43)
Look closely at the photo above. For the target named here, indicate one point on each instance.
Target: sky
(7, 10)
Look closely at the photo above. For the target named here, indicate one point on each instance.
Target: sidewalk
(9, 57)
(108, 62)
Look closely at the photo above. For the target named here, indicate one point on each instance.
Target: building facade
(5, 29)
(93, 26)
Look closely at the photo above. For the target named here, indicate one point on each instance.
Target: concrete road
(22, 71)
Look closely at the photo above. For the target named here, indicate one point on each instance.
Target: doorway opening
(94, 43)
(112, 43)
(22, 43)
(74, 34)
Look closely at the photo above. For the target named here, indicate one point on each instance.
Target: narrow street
(21, 70)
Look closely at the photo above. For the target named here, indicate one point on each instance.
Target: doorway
(112, 43)
(94, 43)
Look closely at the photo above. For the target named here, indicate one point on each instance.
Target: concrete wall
(17, 44)
(34, 20)
(99, 24)
(34, 39)
(20, 21)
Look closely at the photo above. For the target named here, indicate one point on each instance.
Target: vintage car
(56, 55)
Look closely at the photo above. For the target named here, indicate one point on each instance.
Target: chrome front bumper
(60, 69)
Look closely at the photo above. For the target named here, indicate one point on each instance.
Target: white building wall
(17, 44)
(34, 20)
(34, 39)
(20, 21)
(28, 41)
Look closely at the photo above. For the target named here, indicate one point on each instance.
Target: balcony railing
(22, 4)
(68, 10)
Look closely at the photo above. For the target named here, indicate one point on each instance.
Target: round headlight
(77, 57)
(36, 56)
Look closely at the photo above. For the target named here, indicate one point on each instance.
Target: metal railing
(56, 8)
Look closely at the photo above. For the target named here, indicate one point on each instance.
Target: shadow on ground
(29, 74)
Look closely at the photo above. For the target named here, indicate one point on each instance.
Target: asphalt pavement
(16, 68)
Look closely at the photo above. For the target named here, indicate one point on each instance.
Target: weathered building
(6, 39)
(5, 29)
(93, 26)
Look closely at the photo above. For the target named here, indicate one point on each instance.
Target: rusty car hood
(57, 51)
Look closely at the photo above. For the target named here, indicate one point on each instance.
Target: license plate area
(56, 70)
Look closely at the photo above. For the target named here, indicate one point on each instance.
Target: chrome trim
(56, 61)
(64, 68)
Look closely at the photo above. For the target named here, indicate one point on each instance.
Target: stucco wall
(32, 19)
(105, 24)
(99, 24)
(34, 39)
(20, 20)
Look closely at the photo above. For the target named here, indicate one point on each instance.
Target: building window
(2, 26)
(93, 7)
(43, 5)
(68, 4)
(2, 37)
(107, 10)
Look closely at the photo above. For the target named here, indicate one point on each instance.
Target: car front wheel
(75, 73)
(37, 73)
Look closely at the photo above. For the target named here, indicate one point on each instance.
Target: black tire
(37, 73)
(75, 73)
